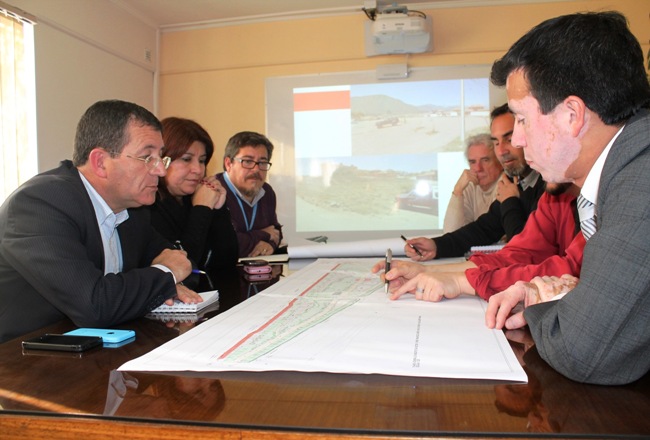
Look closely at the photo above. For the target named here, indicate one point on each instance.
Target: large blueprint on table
(333, 316)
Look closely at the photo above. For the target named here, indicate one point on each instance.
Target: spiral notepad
(180, 307)
(490, 249)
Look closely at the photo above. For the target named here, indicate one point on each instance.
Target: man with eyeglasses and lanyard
(70, 243)
(250, 199)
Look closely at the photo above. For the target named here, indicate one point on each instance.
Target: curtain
(17, 103)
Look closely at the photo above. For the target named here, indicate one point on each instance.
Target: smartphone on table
(112, 338)
(255, 267)
(62, 342)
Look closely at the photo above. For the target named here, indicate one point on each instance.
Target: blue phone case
(111, 336)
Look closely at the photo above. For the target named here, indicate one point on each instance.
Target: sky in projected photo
(376, 156)
(434, 93)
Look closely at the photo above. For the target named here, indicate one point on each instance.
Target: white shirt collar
(108, 222)
(529, 181)
(105, 215)
(592, 183)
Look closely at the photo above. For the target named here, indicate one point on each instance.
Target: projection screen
(358, 158)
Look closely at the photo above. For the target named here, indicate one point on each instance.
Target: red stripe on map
(272, 320)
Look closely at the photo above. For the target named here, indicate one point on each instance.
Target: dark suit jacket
(52, 259)
(600, 331)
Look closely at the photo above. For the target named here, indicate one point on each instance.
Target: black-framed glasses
(249, 164)
(152, 162)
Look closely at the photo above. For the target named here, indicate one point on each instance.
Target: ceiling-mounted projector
(396, 33)
(390, 24)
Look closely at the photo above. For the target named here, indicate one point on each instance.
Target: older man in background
(476, 187)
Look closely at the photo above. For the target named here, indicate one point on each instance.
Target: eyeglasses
(249, 164)
(152, 162)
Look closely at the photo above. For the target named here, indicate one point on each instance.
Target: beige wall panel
(217, 75)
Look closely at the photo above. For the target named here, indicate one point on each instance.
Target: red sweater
(548, 245)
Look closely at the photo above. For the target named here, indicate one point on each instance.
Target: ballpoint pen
(179, 246)
(411, 246)
(389, 260)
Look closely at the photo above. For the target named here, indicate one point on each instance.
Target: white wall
(86, 50)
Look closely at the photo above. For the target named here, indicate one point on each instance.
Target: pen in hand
(389, 260)
(179, 246)
(411, 246)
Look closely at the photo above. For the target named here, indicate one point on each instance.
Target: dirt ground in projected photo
(426, 134)
(320, 219)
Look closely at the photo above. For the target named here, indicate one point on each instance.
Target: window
(17, 101)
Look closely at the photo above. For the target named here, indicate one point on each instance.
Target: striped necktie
(587, 215)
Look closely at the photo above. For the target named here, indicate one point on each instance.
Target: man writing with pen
(550, 244)
(71, 243)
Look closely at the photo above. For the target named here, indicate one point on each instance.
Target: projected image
(367, 156)
(416, 117)
(357, 193)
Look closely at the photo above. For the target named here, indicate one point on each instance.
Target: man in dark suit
(580, 95)
(71, 244)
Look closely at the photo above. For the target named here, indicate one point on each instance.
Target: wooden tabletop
(59, 395)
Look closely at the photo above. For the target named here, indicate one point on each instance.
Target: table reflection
(551, 403)
(164, 396)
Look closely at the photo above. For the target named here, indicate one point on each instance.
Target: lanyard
(241, 205)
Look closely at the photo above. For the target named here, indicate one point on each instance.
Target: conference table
(64, 395)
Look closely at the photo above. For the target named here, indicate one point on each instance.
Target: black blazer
(52, 259)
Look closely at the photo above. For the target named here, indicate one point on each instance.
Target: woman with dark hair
(190, 206)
